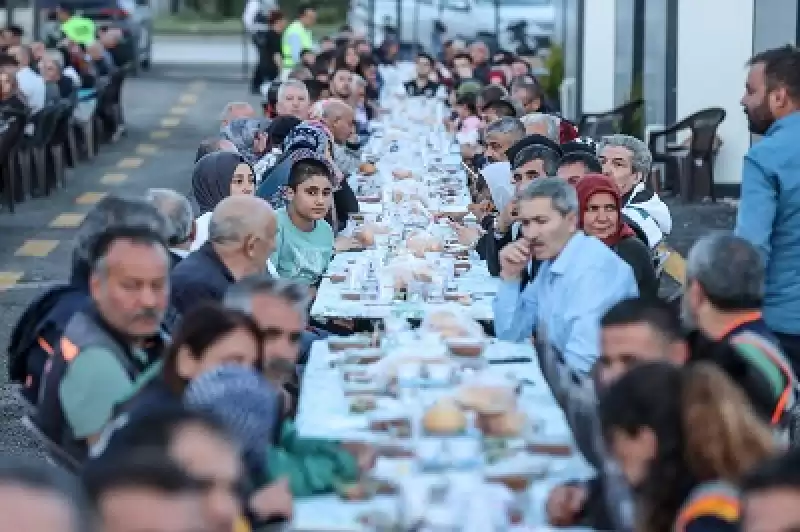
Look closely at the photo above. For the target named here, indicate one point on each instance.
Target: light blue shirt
(568, 297)
(769, 218)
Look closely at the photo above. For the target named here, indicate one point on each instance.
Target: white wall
(715, 40)
(598, 55)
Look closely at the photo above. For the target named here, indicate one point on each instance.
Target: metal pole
(371, 23)
(10, 5)
(416, 27)
(399, 24)
(245, 52)
(497, 23)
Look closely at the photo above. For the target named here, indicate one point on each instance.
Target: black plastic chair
(59, 142)
(690, 166)
(57, 455)
(33, 149)
(11, 132)
(619, 120)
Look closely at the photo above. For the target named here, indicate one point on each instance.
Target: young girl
(304, 240)
(215, 177)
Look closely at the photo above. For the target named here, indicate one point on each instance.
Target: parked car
(468, 19)
(133, 17)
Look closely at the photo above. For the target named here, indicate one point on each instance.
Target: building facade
(681, 56)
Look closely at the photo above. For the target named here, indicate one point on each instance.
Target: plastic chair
(619, 120)
(59, 142)
(57, 455)
(12, 132)
(690, 167)
(33, 149)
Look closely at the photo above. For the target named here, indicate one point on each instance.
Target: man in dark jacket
(241, 237)
(41, 325)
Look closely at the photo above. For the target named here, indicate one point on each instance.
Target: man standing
(297, 37)
(769, 212)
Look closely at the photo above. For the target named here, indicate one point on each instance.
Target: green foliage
(637, 123)
(551, 82)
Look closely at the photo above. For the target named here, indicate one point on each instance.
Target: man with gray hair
(725, 289)
(293, 99)
(234, 110)
(722, 299)
(566, 300)
(241, 237)
(541, 124)
(44, 321)
(500, 136)
(627, 160)
(280, 307)
(177, 211)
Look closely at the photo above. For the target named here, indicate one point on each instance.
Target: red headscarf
(588, 186)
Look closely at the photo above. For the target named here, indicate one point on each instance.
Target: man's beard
(760, 118)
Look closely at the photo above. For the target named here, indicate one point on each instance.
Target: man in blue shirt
(579, 279)
(769, 211)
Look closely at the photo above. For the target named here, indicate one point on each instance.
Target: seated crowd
(34, 77)
(168, 368)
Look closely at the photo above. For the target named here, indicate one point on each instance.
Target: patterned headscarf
(245, 402)
(242, 132)
(309, 135)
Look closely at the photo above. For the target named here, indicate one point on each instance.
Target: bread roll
(444, 417)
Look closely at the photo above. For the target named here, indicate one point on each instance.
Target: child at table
(304, 241)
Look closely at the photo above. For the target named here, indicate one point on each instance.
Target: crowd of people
(167, 371)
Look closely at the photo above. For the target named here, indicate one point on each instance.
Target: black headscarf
(211, 178)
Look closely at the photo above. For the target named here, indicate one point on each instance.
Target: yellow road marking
(188, 99)
(146, 149)
(159, 134)
(68, 220)
(197, 85)
(130, 162)
(113, 179)
(9, 279)
(170, 122)
(36, 248)
(179, 110)
(90, 198)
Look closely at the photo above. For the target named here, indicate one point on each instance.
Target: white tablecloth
(323, 412)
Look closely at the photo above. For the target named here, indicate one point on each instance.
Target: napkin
(498, 177)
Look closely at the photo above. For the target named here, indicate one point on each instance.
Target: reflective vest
(295, 28)
(79, 29)
(84, 330)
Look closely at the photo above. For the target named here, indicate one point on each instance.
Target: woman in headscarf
(215, 177)
(599, 203)
(249, 136)
(314, 137)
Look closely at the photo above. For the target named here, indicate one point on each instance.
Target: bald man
(241, 237)
(338, 116)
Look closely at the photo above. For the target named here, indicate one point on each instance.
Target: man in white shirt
(30, 83)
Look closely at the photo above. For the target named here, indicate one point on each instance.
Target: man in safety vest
(297, 37)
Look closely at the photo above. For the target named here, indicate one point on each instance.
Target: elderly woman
(249, 136)
(600, 216)
(57, 85)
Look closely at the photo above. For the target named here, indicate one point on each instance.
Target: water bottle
(370, 286)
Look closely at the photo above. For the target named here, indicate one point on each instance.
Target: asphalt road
(168, 112)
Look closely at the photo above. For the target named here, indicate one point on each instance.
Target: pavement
(168, 112)
(167, 116)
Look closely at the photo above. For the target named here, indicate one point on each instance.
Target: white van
(463, 18)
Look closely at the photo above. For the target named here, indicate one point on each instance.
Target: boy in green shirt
(304, 240)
